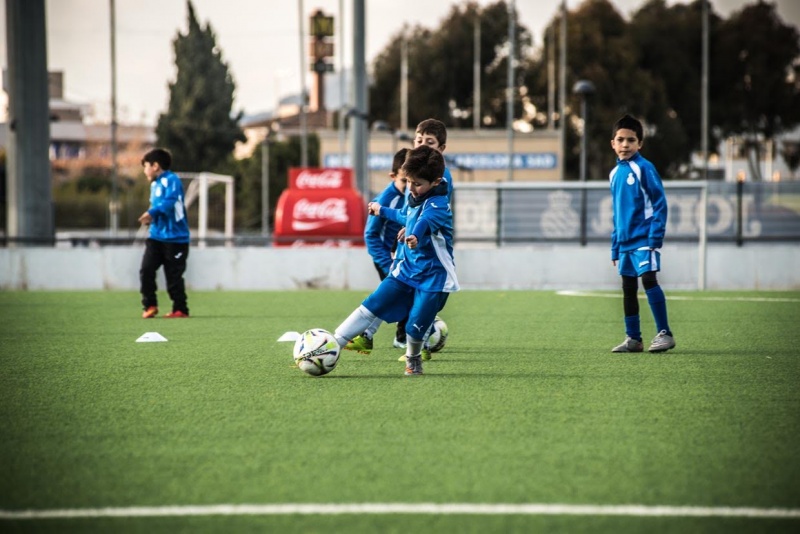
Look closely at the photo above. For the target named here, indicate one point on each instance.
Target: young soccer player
(423, 274)
(433, 133)
(640, 218)
(380, 236)
(168, 244)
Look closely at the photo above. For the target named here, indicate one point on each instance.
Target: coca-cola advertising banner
(320, 208)
(316, 178)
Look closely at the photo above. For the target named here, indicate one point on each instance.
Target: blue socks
(658, 305)
(632, 329)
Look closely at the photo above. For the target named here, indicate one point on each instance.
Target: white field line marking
(406, 508)
(679, 297)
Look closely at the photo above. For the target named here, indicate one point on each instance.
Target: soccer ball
(438, 337)
(316, 352)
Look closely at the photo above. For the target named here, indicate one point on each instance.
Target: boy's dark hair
(424, 163)
(399, 159)
(627, 122)
(160, 156)
(435, 128)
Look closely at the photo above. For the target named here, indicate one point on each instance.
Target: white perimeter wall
(753, 266)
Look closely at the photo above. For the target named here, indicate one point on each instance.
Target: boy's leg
(389, 302)
(360, 319)
(151, 261)
(413, 356)
(373, 328)
(658, 305)
(420, 319)
(363, 342)
(175, 258)
(400, 334)
(630, 307)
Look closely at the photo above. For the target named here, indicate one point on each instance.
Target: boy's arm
(433, 216)
(658, 223)
(398, 216)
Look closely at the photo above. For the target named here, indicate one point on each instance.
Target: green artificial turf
(525, 404)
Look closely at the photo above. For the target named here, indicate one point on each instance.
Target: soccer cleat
(426, 353)
(413, 365)
(398, 344)
(662, 342)
(177, 314)
(150, 312)
(361, 344)
(629, 345)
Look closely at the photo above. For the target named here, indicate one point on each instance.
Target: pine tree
(198, 127)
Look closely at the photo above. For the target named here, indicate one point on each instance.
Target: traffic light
(321, 47)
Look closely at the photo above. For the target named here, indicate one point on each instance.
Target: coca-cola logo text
(307, 215)
(324, 179)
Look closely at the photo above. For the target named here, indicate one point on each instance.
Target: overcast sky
(258, 38)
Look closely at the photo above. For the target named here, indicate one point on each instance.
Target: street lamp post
(584, 89)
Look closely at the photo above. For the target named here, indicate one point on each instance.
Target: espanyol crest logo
(631, 180)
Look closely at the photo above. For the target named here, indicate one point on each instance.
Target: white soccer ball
(316, 352)
(438, 337)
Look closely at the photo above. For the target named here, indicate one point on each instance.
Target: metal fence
(515, 213)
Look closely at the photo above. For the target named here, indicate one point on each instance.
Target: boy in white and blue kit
(423, 274)
(640, 219)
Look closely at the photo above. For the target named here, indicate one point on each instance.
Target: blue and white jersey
(168, 209)
(430, 266)
(449, 178)
(380, 234)
(639, 204)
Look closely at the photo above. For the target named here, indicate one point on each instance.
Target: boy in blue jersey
(168, 244)
(380, 236)
(423, 274)
(640, 218)
(433, 133)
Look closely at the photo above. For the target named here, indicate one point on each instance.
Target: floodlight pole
(114, 204)
(510, 89)
(303, 118)
(562, 90)
(584, 89)
(265, 183)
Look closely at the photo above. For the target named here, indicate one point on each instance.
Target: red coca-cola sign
(320, 178)
(321, 208)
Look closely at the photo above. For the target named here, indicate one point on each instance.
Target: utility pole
(476, 75)
(360, 112)
(562, 90)
(29, 217)
(704, 94)
(303, 118)
(342, 85)
(404, 82)
(113, 206)
(510, 89)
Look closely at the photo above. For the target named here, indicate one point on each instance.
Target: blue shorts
(637, 262)
(393, 301)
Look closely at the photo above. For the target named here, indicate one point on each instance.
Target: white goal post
(197, 189)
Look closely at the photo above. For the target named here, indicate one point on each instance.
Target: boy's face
(399, 179)
(151, 170)
(428, 140)
(625, 143)
(419, 186)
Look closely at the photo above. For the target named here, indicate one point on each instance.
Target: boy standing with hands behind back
(640, 218)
